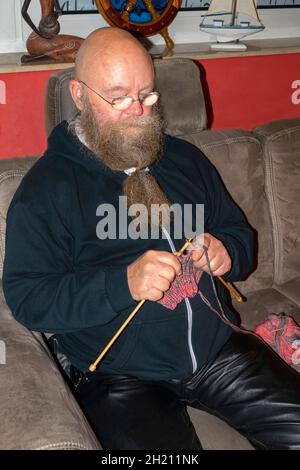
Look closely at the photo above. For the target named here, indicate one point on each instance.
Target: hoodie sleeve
(43, 289)
(225, 221)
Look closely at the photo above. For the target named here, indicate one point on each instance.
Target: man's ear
(76, 93)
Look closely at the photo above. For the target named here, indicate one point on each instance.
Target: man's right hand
(150, 275)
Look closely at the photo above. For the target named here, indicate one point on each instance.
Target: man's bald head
(104, 47)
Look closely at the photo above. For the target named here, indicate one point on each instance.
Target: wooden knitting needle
(235, 294)
(93, 366)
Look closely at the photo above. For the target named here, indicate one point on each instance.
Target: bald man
(65, 273)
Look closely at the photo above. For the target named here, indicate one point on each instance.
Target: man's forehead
(115, 88)
(117, 75)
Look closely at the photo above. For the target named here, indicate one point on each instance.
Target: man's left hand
(220, 261)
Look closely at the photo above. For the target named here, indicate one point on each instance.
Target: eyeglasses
(124, 102)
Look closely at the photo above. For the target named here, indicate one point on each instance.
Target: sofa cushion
(291, 290)
(215, 434)
(281, 141)
(11, 173)
(264, 302)
(184, 107)
(237, 155)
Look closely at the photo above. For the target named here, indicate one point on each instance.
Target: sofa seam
(232, 140)
(63, 444)
(11, 173)
(58, 84)
(277, 134)
(283, 132)
(8, 174)
(228, 140)
(276, 223)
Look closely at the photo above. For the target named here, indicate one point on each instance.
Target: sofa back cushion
(237, 155)
(281, 143)
(177, 80)
(11, 173)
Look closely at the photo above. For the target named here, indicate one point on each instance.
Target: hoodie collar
(64, 143)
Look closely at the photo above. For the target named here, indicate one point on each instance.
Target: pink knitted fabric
(185, 285)
(282, 333)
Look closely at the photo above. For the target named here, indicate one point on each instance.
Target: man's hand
(150, 275)
(220, 261)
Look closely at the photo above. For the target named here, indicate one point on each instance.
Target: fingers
(198, 246)
(219, 265)
(201, 263)
(224, 269)
(151, 274)
(171, 261)
(154, 294)
(218, 257)
(167, 272)
(160, 283)
(197, 255)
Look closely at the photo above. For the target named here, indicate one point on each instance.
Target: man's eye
(118, 98)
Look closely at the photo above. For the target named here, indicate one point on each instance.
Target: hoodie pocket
(156, 348)
(122, 349)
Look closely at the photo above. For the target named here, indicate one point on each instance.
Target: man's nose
(136, 109)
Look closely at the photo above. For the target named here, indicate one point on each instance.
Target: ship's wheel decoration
(141, 17)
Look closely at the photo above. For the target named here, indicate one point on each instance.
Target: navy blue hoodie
(60, 277)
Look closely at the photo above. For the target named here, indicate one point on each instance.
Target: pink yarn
(282, 333)
(185, 285)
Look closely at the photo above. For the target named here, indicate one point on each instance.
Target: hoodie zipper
(188, 308)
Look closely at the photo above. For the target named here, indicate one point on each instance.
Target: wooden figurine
(45, 43)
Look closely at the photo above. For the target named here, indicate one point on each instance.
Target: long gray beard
(117, 148)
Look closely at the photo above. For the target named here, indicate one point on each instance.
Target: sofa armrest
(281, 150)
(37, 409)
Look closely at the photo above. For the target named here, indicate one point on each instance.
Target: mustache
(137, 121)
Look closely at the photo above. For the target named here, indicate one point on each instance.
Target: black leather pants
(247, 385)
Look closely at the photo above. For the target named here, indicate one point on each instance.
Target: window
(89, 6)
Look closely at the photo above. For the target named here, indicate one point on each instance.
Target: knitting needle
(93, 366)
(235, 294)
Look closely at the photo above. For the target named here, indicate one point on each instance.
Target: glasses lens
(122, 103)
(150, 99)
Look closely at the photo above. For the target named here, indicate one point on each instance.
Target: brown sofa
(261, 169)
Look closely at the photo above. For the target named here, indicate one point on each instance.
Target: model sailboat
(229, 21)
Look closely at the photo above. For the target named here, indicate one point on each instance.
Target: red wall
(247, 91)
(240, 92)
(22, 117)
